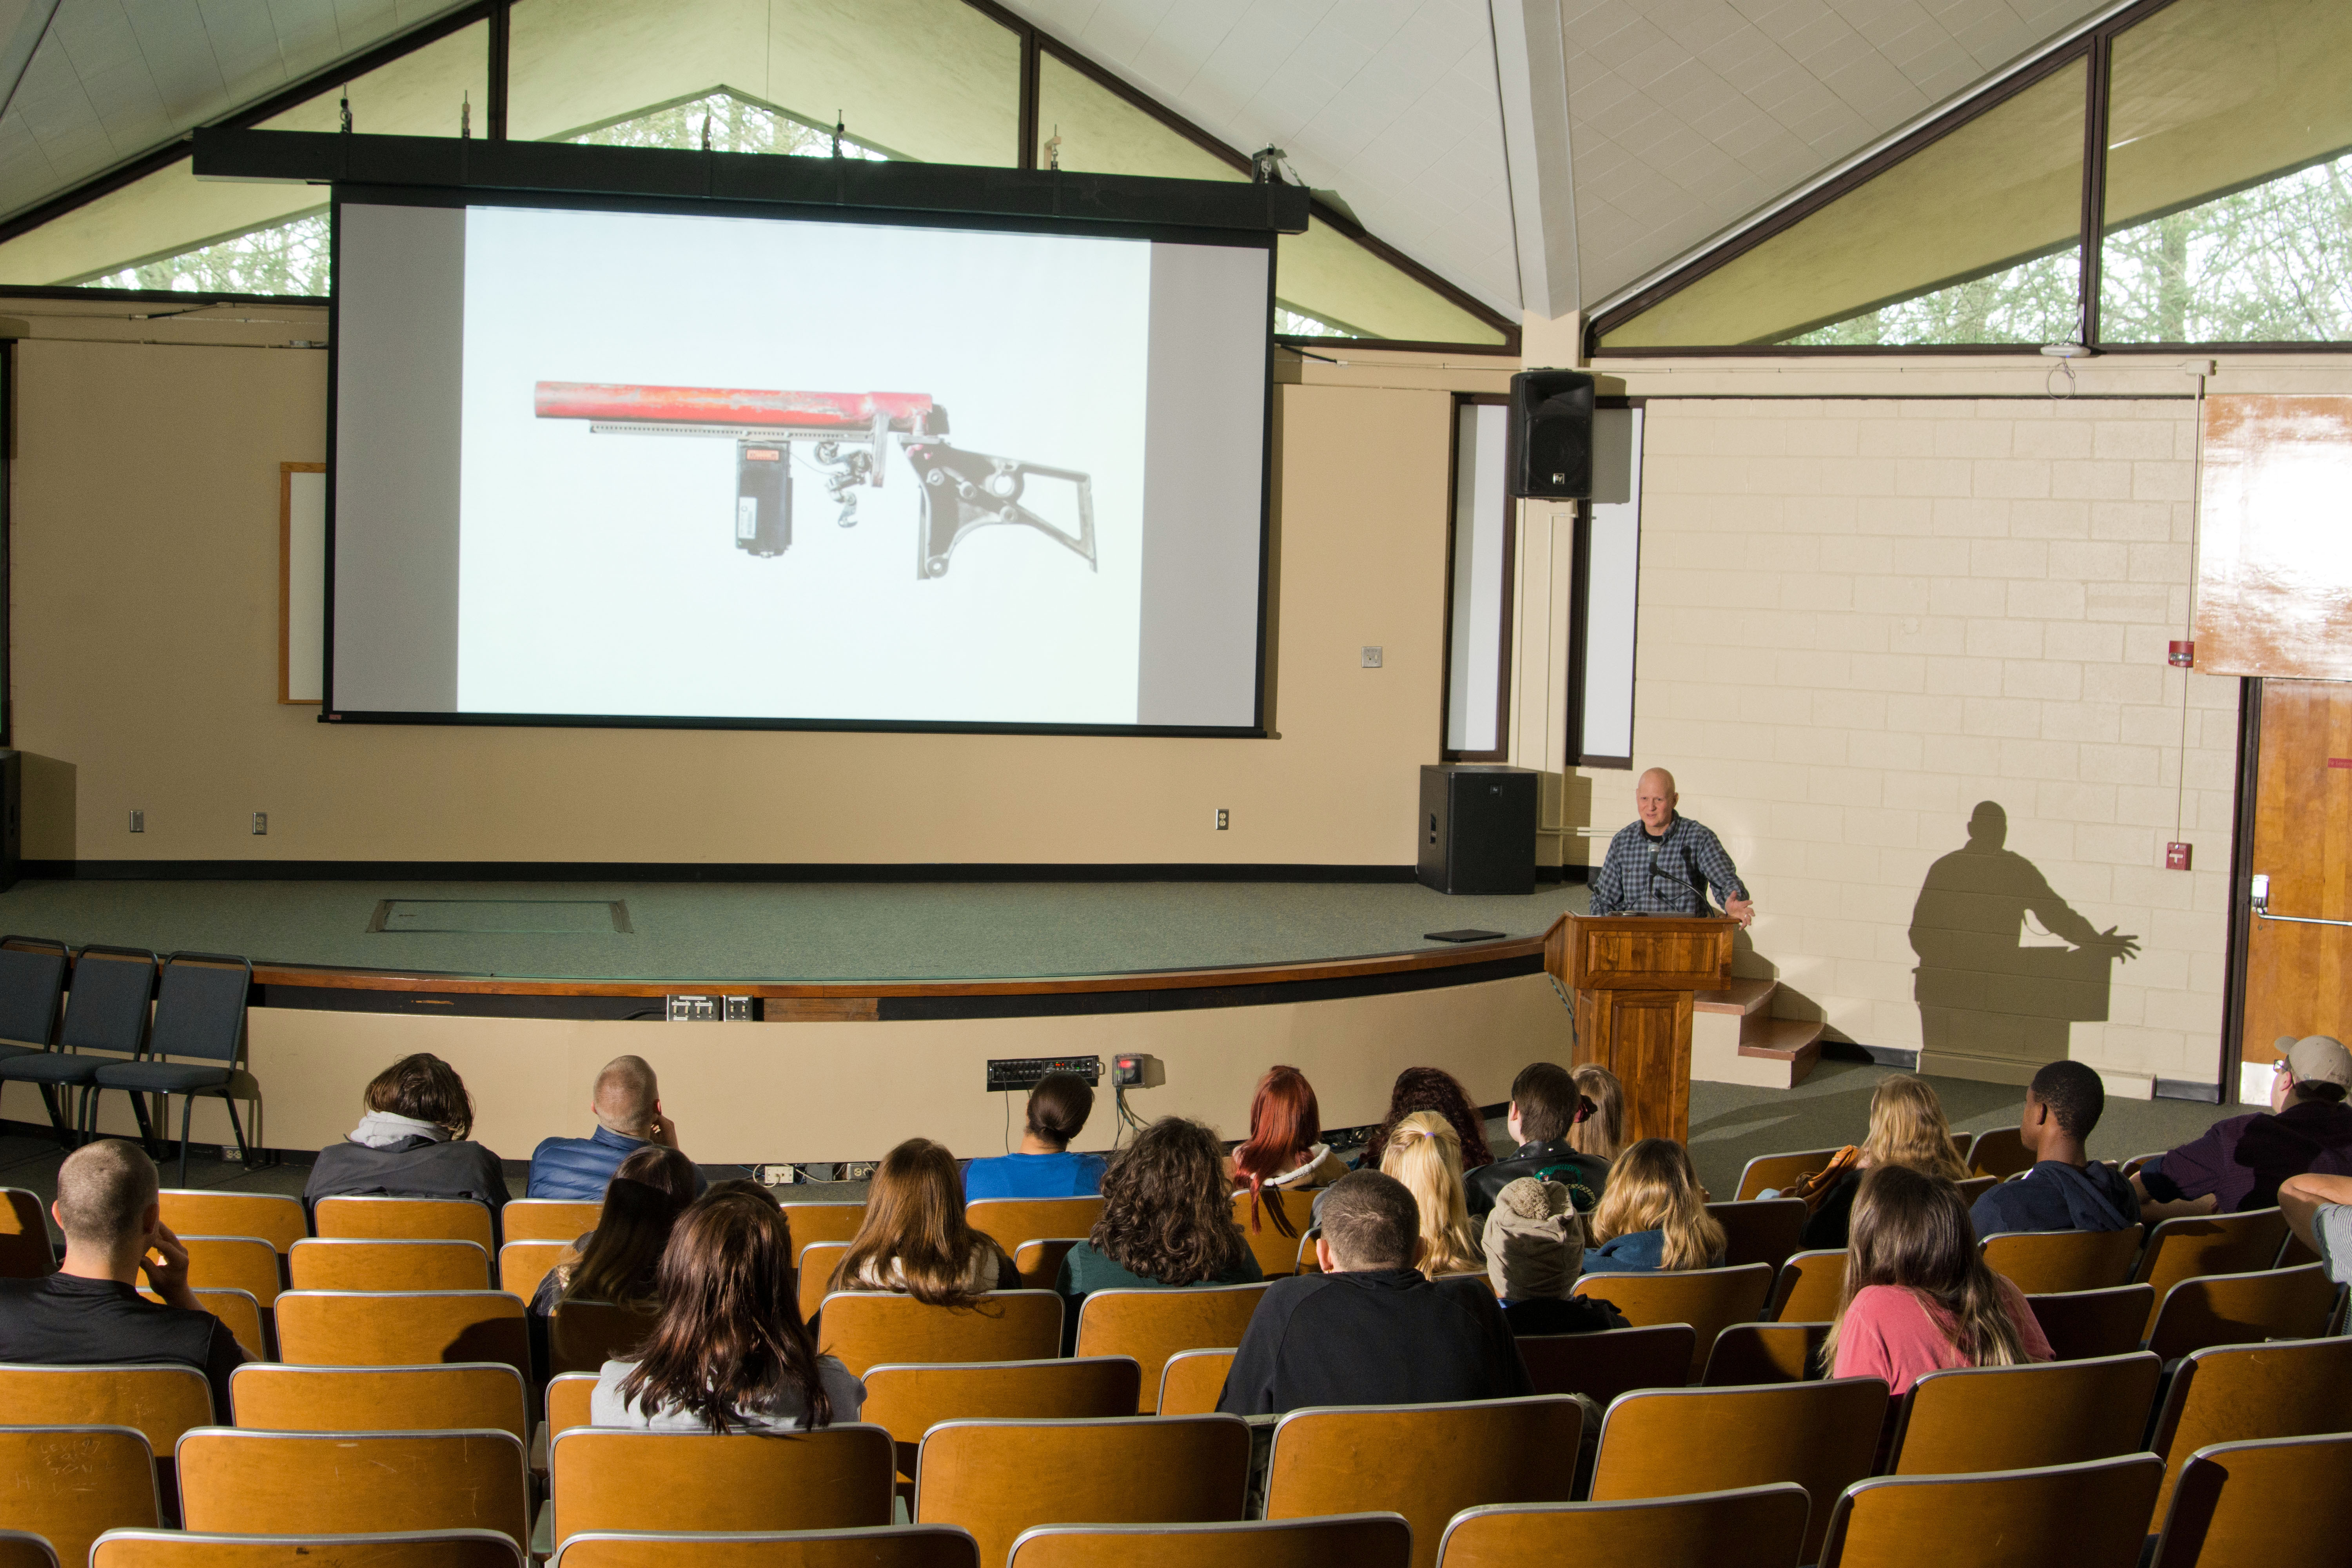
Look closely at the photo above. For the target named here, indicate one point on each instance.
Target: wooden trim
(501, 48)
(286, 472)
(2095, 188)
(2241, 854)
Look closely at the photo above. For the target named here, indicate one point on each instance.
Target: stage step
(1742, 996)
(1735, 1038)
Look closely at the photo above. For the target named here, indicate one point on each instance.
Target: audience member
(1167, 1220)
(1424, 1154)
(729, 1350)
(90, 1312)
(1546, 1108)
(1371, 1328)
(1907, 1128)
(914, 1239)
(1918, 1297)
(1653, 1215)
(1043, 1167)
(1431, 1089)
(617, 1261)
(626, 1104)
(2242, 1160)
(2066, 1189)
(1534, 1247)
(1599, 1132)
(1284, 1151)
(412, 1144)
(2319, 1210)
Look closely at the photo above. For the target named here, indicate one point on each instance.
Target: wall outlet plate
(138, 820)
(260, 822)
(1224, 819)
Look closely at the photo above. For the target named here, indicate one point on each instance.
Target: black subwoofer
(1548, 452)
(1478, 828)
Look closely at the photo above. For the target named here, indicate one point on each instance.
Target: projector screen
(638, 467)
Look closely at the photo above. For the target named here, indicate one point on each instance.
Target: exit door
(2299, 922)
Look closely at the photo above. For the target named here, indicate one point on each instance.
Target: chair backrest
(405, 1219)
(24, 1250)
(523, 1264)
(997, 1478)
(1309, 1260)
(2235, 1393)
(200, 1007)
(23, 1548)
(1008, 1222)
(1773, 1172)
(2066, 1516)
(106, 1009)
(868, 1328)
(244, 1263)
(2000, 1153)
(1750, 1353)
(1609, 1361)
(1708, 1300)
(2047, 1262)
(818, 1259)
(569, 1395)
(908, 1401)
(1193, 1381)
(399, 1549)
(1974, 1187)
(1442, 1459)
(238, 1312)
(404, 1328)
(1153, 1325)
(582, 1336)
(1039, 1260)
(822, 1222)
(2080, 1324)
(1808, 1287)
(2274, 1501)
(2184, 1249)
(2243, 1308)
(340, 1263)
(891, 1546)
(464, 1395)
(2021, 1418)
(549, 1219)
(1748, 1527)
(275, 1217)
(337, 1483)
(1358, 1540)
(32, 988)
(159, 1403)
(836, 1477)
(69, 1484)
(1673, 1442)
(1761, 1230)
(1277, 1249)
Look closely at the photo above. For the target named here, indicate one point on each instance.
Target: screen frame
(368, 195)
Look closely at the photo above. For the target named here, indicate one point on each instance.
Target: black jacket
(1382, 1336)
(416, 1167)
(1552, 1159)
(2055, 1195)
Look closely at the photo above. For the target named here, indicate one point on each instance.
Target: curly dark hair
(1167, 1214)
(1431, 1089)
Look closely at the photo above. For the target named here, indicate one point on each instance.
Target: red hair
(1284, 1119)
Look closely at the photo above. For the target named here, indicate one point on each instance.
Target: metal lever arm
(965, 490)
(2258, 899)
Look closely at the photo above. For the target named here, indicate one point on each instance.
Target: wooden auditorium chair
(908, 1401)
(2066, 1516)
(2080, 1324)
(582, 1336)
(2243, 1308)
(1809, 1289)
(836, 1477)
(159, 1403)
(401, 1328)
(1606, 1362)
(2000, 1154)
(236, 1482)
(24, 1250)
(1774, 1172)
(822, 1222)
(237, 1310)
(1356, 1539)
(405, 1219)
(1008, 1222)
(1193, 1381)
(247, 1263)
(69, 1485)
(2235, 1393)
(548, 1219)
(523, 1264)
(1038, 1260)
(351, 1264)
(1761, 1230)
(1153, 1325)
(1708, 1300)
(459, 1397)
(1750, 1353)
(889, 1546)
(2274, 1501)
(23, 1548)
(2197, 1245)
(869, 1327)
(275, 1217)
(813, 1275)
(394, 1549)
(2022, 1417)
(2048, 1262)
(1748, 1527)
(1276, 1248)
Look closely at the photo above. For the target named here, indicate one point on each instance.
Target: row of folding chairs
(1999, 1155)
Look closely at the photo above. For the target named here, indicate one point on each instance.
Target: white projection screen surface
(642, 468)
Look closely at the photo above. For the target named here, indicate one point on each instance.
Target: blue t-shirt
(1062, 1175)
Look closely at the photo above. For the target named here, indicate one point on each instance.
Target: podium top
(1641, 953)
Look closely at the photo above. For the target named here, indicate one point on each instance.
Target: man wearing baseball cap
(2239, 1163)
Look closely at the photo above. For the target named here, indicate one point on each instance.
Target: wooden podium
(1634, 977)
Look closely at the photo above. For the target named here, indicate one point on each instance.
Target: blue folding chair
(106, 1011)
(32, 995)
(199, 1017)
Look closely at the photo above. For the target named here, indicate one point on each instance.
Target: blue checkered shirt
(1668, 874)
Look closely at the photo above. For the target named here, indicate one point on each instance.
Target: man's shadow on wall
(2006, 966)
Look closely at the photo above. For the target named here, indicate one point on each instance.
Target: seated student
(90, 1312)
(616, 1261)
(1545, 1110)
(412, 1144)
(1431, 1089)
(1167, 1220)
(1918, 1297)
(2066, 1189)
(2242, 1160)
(1599, 1132)
(1371, 1328)
(1043, 1167)
(914, 1239)
(729, 1350)
(1424, 1154)
(626, 1104)
(1653, 1216)
(1284, 1152)
(1907, 1128)
(1534, 1243)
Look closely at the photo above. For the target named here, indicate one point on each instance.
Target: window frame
(1501, 751)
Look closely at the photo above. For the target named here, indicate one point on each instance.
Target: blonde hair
(1908, 1127)
(1424, 1153)
(1655, 1186)
(1602, 1133)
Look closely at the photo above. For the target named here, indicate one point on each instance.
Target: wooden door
(2299, 975)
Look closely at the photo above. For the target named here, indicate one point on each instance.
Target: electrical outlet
(1224, 819)
(1372, 658)
(260, 822)
(138, 820)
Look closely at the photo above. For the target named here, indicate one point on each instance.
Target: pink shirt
(1894, 1333)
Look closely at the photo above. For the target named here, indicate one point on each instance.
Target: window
(1084, 126)
(1478, 586)
(1608, 573)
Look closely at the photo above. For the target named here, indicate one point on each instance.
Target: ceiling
(1679, 116)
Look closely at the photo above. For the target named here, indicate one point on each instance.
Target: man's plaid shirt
(1665, 875)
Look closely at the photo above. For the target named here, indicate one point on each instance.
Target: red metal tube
(725, 405)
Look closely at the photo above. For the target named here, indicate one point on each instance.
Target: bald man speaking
(1665, 864)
